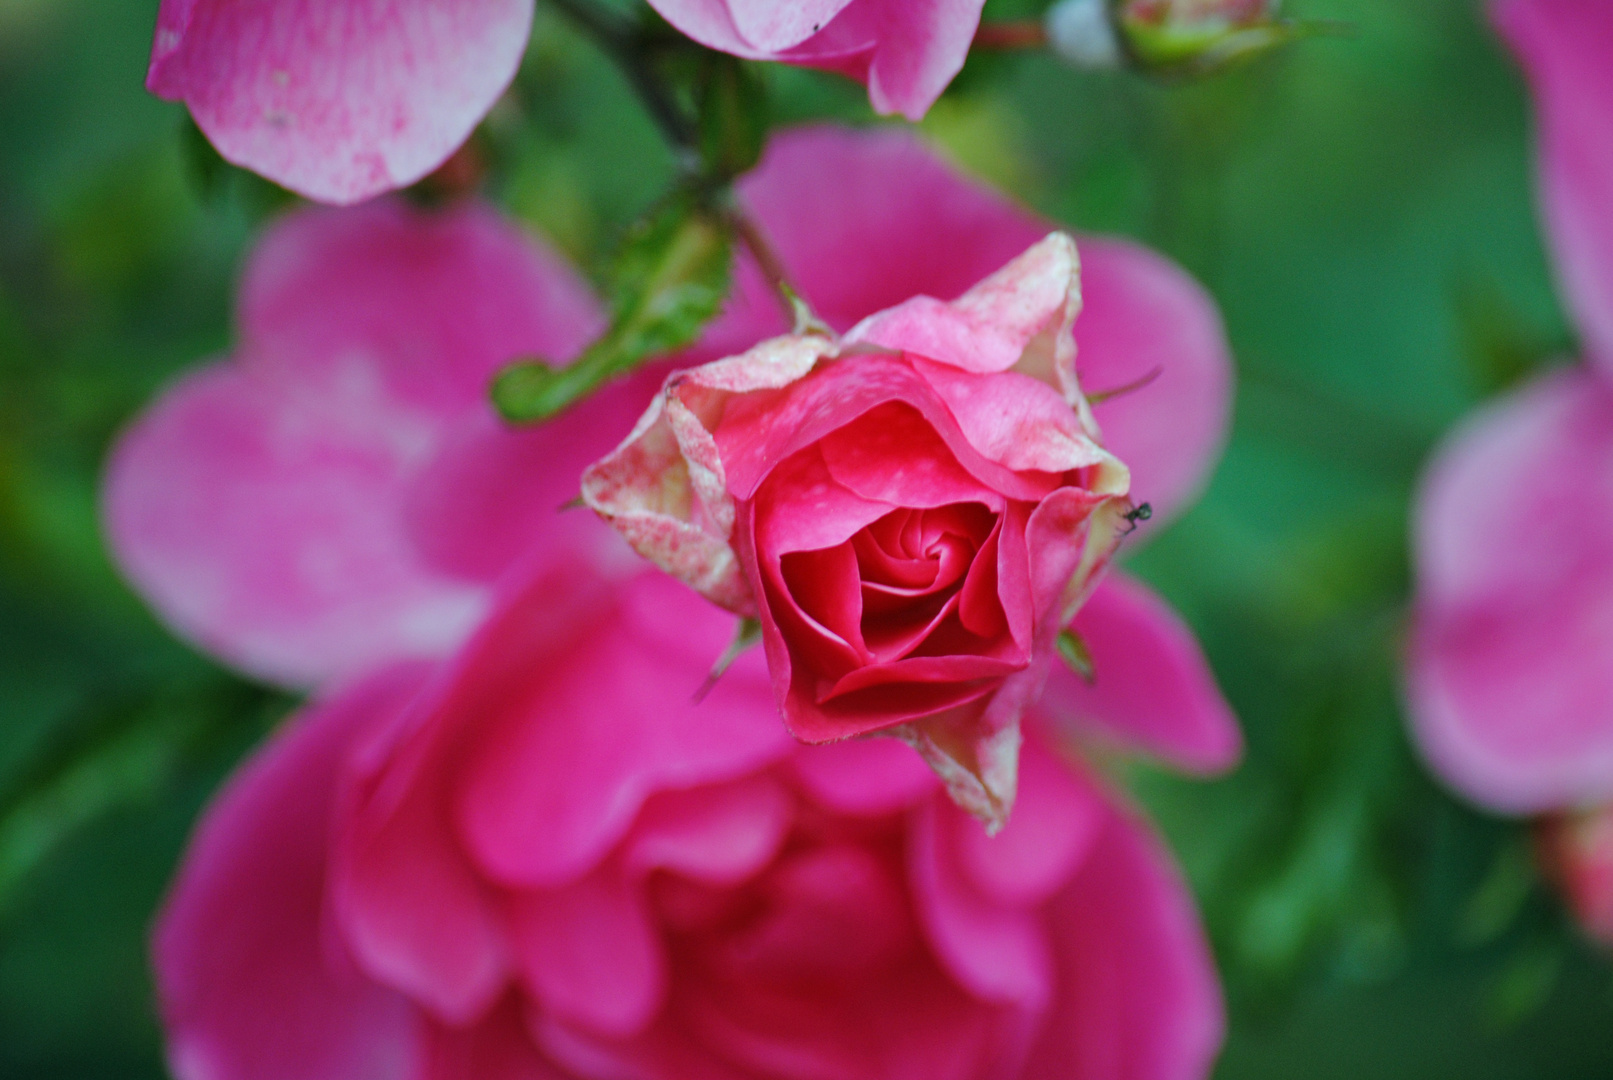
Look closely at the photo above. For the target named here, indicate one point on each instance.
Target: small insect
(1137, 515)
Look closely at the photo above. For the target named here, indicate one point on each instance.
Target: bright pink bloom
(904, 51)
(339, 493)
(912, 510)
(1511, 661)
(586, 875)
(338, 100)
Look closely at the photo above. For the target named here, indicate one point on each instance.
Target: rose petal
(998, 952)
(1057, 817)
(250, 986)
(266, 507)
(563, 763)
(497, 1047)
(863, 777)
(1511, 663)
(342, 99)
(1136, 988)
(589, 952)
(1153, 689)
(1564, 45)
(719, 834)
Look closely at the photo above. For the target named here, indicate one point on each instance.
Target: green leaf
(670, 278)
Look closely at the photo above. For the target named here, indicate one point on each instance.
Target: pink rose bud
(911, 512)
(1577, 850)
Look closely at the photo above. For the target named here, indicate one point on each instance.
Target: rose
(475, 873)
(911, 512)
(1510, 669)
(342, 100)
(1510, 661)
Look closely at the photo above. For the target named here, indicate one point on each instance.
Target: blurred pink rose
(337, 100)
(904, 51)
(912, 510)
(475, 873)
(1511, 660)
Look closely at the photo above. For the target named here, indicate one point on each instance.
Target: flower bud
(1167, 37)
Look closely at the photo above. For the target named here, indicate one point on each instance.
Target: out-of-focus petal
(441, 300)
(1142, 313)
(302, 511)
(1511, 662)
(1137, 996)
(1564, 46)
(563, 763)
(863, 220)
(251, 983)
(1152, 688)
(497, 1047)
(337, 100)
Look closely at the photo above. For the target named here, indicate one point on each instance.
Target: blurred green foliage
(1361, 207)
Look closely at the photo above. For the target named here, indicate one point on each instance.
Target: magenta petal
(1564, 46)
(497, 1047)
(720, 834)
(998, 952)
(863, 777)
(1511, 661)
(590, 954)
(1137, 994)
(251, 986)
(267, 531)
(1142, 313)
(337, 100)
(565, 761)
(1057, 818)
(438, 301)
(1153, 689)
(282, 509)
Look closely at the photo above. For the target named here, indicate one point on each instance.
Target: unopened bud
(1081, 33)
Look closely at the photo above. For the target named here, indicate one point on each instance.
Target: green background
(1361, 207)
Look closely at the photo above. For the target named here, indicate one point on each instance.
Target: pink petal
(1057, 818)
(563, 763)
(262, 523)
(905, 51)
(1153, 689)
(1564, 45)
(998, 952)
(863, 777)
(302, 510)
(251, 986)
(439, 301)
(865, 219)
(1511, 660)
(590, 954)
(719, 834)
(1137, 996)
(1142, 313)
(338, 100)
(988, 328)
(495, 1048)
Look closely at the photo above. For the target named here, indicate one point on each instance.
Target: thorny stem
(1017, 34)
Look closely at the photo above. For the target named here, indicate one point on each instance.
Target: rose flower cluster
(523, 829)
